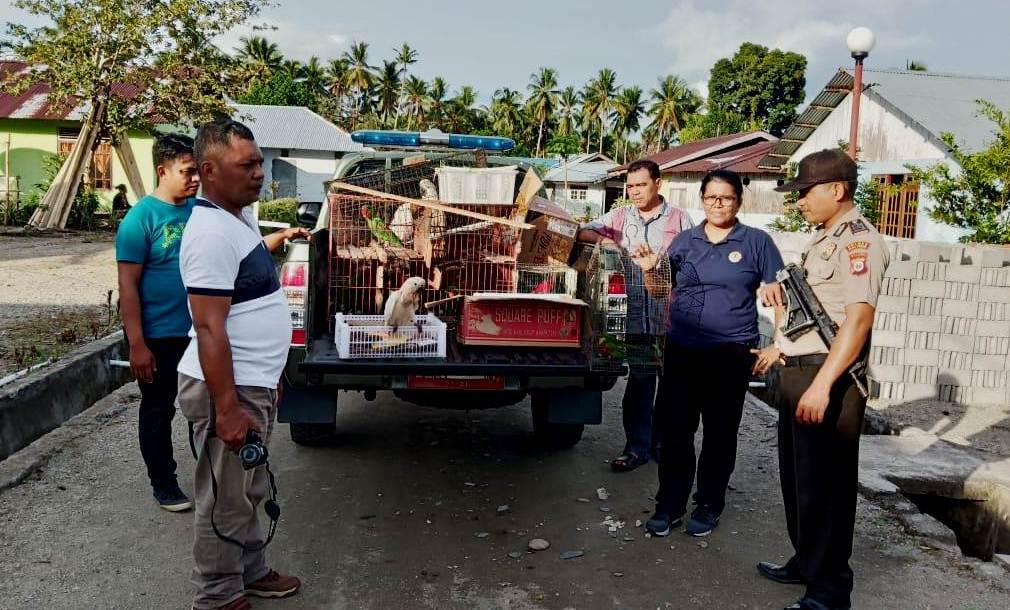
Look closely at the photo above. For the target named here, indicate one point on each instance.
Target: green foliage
(764, 87)
(564, 146)
(714, 123)
(791, 220)
(279, 90)
(280, 210)
(84, 47)
(975, 198)
(867, 199)
(620, 202)
(82, 211)
(14, 213)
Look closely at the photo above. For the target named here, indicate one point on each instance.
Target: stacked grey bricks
(942, 329)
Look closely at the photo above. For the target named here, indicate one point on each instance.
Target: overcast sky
(494, 44)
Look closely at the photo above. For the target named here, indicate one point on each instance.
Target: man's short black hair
(651, 166)
(171, 146)
(218, 133)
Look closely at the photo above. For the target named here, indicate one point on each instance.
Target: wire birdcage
(628, 310)
(377, 242)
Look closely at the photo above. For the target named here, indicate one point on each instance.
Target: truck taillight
(615, 284)
(295, 286)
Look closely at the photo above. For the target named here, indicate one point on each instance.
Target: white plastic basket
(477, 184)
(360, 336)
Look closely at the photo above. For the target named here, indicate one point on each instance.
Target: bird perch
(448, 209)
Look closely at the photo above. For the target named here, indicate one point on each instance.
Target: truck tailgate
(460, 360)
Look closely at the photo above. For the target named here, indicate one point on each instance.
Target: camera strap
(270, 507)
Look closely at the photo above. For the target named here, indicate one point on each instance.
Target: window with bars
(576, 193)
(100, 168)
(899, 205)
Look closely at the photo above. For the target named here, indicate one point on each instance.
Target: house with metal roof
(902, 115)
(682, 168)
(300, 149)
(581, 184)
(32, 129)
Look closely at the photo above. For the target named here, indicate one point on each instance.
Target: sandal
(626, 462)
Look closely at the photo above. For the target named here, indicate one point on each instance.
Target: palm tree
(506, 111)
(461, 109)
(388, 83)
(314, 75)
(416, 97)
(543, 99)
(672, 103)
(259, 57)
(405, 57)
(588, 105)
(335, 80)
(436, 99)
(292, 68)
(629, 108)
(568, 111)
(359, 75)
(604, 91)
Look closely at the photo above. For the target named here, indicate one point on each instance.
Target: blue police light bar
(434, 137)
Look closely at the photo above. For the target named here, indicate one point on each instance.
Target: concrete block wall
(942, 328)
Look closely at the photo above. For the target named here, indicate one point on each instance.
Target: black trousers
(708, 385)
(157, 408)
(818, 465)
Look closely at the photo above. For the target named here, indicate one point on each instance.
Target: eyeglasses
(722, 200)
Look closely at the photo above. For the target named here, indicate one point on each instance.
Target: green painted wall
(31, 139)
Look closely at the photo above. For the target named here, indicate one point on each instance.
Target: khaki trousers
(221, 569)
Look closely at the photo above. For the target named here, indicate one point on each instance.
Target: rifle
(805, 313)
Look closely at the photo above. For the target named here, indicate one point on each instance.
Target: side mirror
(308, 213)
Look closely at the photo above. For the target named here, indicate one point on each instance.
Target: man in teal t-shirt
(154, 306)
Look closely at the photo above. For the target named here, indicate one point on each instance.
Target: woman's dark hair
(724, 175)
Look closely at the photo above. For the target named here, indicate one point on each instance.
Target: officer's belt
(808, 360)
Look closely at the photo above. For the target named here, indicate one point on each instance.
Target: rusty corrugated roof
(33, 103)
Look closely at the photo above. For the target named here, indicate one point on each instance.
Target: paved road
(389, 517)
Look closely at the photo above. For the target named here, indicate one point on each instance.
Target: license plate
(455, 382)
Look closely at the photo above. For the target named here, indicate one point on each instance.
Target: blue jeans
(639, 398)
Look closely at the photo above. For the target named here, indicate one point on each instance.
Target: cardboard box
(552, 237)
(521, 320)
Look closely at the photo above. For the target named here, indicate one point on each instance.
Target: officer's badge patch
(858, 245)
(858, 226)
(735, 256)
(827, 251)
(858, 264)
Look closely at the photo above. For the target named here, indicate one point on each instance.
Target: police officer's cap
(830, 165)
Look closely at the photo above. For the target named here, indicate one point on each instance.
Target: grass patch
(36, 339)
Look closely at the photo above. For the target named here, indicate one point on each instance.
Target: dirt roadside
(57, 291)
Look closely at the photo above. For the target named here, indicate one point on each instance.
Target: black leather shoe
(780, 574)
(809, 603)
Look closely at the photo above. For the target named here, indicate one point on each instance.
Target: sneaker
(661, 524)
(274, 584)
(172, 499)
(703, 520)
(236, 604)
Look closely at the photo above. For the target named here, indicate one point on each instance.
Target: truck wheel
(312, 434)
(550, 435)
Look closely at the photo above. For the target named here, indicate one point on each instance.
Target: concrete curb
(44, 399)
(35, 456)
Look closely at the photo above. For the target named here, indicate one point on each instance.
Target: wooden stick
(424, 203)
(431, 304)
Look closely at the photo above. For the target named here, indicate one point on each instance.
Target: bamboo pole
(424, 203)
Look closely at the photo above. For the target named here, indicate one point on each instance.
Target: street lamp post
(860, 42)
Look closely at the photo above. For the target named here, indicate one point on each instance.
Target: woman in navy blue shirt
(710, 353)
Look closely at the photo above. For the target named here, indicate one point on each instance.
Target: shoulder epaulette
(858, 226)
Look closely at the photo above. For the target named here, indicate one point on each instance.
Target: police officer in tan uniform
(821, 410)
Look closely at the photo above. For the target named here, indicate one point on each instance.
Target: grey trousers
(221, 569)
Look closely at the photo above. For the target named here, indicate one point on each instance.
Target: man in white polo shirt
(229, 374)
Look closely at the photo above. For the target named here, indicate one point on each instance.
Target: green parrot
(609, 347)
(380, 230)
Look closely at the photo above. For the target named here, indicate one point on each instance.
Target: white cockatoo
(403, 223)
(403, 303)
